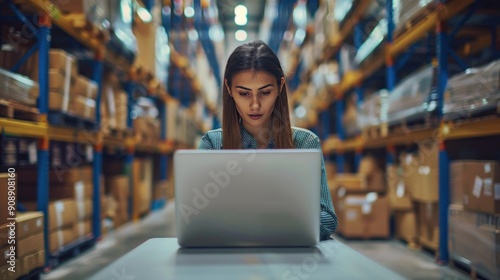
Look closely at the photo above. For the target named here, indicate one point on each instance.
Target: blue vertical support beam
(97, 160)
(163, 157)
(43, 106)
(444, 186)
(390, 67)
(280, 23)
(339, 111)
(129, 159)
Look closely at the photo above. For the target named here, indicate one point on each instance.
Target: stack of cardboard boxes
(474, 215)
(413, 193)
(70, 92)
(142, 174)
(114, 105)
(70, 207)
(28, 251)
(118, 186)
(360, 202)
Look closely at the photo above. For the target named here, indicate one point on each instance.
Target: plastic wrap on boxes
(342, 8)
(374, 40)
(472, 92)
(474, 239)
(17, 88)
(403, 10)
(373, 110)
(412, 97)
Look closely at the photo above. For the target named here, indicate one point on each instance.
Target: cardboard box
(61, 238)
(28, 223)
(365, 216)
(84, 209)
(119, 186)
(58, 60)
(62, 213)
(6, 274)
(457, 169)
(83, 229)
(480, 184)
(399, 198)
(62, 175)
(32, 261)
(77, 192)
(85, 87)
(142, 174)
(475, 237)
(30, 244)
(6, 191)
(406, 225)
(426, 184)
(428, 224)
(409, 165)
(350, 182)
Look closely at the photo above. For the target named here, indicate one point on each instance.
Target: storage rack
(397, 51)
(48, 17)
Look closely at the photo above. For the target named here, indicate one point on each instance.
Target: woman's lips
(255, 117)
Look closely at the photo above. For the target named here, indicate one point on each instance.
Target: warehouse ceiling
(255, 14)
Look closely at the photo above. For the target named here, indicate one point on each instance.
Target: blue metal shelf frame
(98, 67)
(339, 112)
(358, 38)
(280, 23)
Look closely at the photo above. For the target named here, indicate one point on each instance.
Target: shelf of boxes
(78, 121)
(455, 32)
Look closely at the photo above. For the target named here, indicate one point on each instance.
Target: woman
(255, 115)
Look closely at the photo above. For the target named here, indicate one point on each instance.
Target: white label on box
(354, 201)
(408, 159)
(32, 153)
(487, 168)
(478, 185)
(38, 222)
(488, 187)
(89, 152)
(497, 191)
(341, 192)
(79, 189)
(366, 208)
(400, 190)
(351, 215)
(81, 209)
(59, 205)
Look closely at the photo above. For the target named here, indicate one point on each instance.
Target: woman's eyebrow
(268, 85)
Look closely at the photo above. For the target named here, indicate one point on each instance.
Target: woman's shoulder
(304, 138)
(214, 133)
(299, 132)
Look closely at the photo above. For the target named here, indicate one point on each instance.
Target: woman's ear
(227, 87)
(282, 84)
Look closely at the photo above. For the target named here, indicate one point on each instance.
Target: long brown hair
(255, 56)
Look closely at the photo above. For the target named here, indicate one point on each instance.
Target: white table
(162, 258)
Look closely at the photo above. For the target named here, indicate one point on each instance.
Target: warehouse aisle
(392, 254)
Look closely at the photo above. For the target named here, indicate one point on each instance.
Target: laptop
(247, 198)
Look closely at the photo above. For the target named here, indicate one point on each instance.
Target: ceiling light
(240, 20)
(189, 12)
(240, 35)
(240, 10)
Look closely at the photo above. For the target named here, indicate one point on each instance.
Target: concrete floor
(412, 264)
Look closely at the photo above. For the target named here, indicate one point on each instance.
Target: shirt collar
(249, 141)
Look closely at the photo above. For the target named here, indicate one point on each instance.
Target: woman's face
(254, 93)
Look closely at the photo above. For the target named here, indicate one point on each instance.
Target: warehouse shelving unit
(396, 52)
(49, 16)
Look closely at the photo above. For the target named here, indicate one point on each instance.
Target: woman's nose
(255, 103)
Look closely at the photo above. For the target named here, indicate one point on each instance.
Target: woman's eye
(244, 93)
(265, 93)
